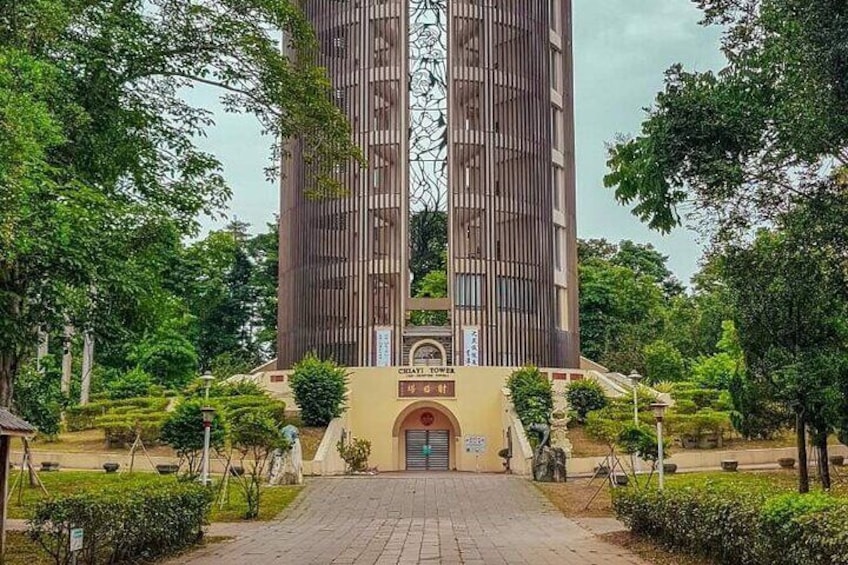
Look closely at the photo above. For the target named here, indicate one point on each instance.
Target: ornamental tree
(98, 147)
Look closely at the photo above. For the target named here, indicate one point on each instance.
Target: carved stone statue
(548, 462)
(287, 468)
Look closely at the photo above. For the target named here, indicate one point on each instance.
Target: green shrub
(38, 398)
(168, 356)
(319, 389)
(739, 525)
(532, 396)
(127, 524)
(642, 441)
(256, 435)
(183, 431)
(79, 418)
(355, 454)
(133, 384)
(233, 406)
(685, 406)
(585, 396)
(663, 362)
(122, 429)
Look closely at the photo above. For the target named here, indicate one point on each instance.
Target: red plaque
(427, 419)
(426, 389)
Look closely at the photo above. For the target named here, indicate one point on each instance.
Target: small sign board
(475, 444)
(76, 539)
(426, 389)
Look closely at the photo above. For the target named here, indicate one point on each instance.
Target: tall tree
(743, 146)
(96, 144)
(792, 321)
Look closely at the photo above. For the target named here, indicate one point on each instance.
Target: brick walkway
(443, 518)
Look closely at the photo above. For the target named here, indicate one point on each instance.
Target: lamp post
(208, 415)
(207, 379)
(659, 412)
(635, 378)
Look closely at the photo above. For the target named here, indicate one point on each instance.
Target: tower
(457, 244)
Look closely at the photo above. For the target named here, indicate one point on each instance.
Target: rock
(549, 466)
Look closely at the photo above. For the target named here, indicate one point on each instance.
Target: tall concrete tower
(457, 244)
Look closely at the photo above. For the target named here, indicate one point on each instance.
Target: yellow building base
(427, 418)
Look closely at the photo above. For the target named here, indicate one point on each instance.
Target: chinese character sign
(471, 343)
(427, 389)
(384, 347)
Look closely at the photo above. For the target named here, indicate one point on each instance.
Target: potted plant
(730, 465)
(111, 467)
(167, 469)
(838, 460)
(786, 462)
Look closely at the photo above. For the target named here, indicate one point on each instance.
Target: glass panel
(428, 147)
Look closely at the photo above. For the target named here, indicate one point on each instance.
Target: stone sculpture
(549, 463)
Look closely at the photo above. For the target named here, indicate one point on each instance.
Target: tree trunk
(803, 469)
(824, 460)
(87, 366)
(8, 372)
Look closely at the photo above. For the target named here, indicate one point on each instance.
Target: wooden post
(5, 444)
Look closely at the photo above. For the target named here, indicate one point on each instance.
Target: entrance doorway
(427, 450)
(425, 438)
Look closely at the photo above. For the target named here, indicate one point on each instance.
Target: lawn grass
(20, 550)
(273, 499)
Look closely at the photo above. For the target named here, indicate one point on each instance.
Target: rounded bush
(319, 389)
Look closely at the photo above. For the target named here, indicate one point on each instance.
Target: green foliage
(532, 396)
(641, 441)
(168, 357)
(429, 242)
(585, 396)
(79, 418)
(133, 384)
(663, 362)
(319, 389)
(39, 399)
(121, 429)
(620, 311)
(99, 163)
(355, 454)
(183, 430)
(755, 414)
(737, 524)
(256, 435)
(123, 524)
(230, 363)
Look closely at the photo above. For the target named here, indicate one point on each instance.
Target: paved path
(399, 519)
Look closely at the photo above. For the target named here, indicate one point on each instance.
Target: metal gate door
(427, 450)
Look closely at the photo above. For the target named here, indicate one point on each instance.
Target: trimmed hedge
(79, 418)
(124, 525)
(740, 526)
(121, 428)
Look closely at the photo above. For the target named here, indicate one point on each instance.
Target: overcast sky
(621, 49)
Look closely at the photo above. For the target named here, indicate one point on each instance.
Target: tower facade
(456, 245)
